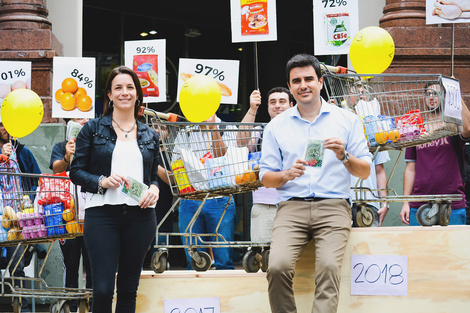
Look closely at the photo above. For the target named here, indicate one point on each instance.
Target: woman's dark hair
(107, 109)
(303, 60)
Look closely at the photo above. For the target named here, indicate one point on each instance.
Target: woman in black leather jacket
(113, 150)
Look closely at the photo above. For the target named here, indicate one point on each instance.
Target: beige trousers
(328, 223)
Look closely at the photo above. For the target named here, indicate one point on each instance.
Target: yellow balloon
(372, 50)
(199, 98)
(22, 111)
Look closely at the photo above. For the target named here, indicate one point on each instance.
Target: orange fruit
(68, 215)
(69, 85)
(68, 101)
(394, 135)
(84, 103)
(73, 227)
(246, 177)
(80, 92)
(239, 179)
(58, 95)
(249, 176)
(381, 137)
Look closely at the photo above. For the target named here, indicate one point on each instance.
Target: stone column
(26, 35)
(421, 48)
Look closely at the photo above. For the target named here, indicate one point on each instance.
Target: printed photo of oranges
(72, 97)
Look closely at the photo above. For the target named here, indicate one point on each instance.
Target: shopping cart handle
(170, 117)
(336, 69)
(3, 158)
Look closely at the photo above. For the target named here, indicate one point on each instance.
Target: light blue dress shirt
(285, 140)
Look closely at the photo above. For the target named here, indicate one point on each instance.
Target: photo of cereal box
(314, 152)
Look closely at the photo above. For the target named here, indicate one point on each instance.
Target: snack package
(134, 189)
(218, 173)
(54, 190)
(314, 152)
(412, 118)
(254, 19)
(146, 68)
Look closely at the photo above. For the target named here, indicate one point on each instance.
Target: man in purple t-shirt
(433, 168)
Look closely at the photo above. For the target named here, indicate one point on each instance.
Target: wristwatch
(346, 157)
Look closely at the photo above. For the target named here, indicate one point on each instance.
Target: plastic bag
(237, 160)
(195, 170)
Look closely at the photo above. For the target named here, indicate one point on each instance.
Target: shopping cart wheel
(204, 264)
(158, 262)
(423, 217)
(15, 302)
(444, 214)
(365, 216)
(264, 259)
(57, 308)
(251, 263)
(83, 306)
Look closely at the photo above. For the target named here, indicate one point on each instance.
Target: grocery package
(254, 19)
(54, 190)
(181, 178)
(53, 216)
(338, 26)
(410, 125)
(378, 129)
(146, 68)
(218, 173)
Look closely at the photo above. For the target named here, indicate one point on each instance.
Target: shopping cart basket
(37, 209)
(208, 160)
(399, 111)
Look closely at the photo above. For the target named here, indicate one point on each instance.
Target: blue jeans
(117, 235)
(206, 223)
(457, 217)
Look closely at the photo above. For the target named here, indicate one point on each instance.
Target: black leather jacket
(94, 149)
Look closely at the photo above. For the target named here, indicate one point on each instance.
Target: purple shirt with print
(437, 170)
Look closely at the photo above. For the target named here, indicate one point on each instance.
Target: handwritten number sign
(385, 275)
(453, 100)
(196, 305)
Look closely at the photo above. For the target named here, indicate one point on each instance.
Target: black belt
(307, 199)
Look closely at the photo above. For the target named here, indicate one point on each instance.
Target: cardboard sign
(73, 87)
(335, 25)
(147, 58)
(379, 275)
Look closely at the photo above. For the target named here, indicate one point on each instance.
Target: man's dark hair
(303, 60)
(284, 90)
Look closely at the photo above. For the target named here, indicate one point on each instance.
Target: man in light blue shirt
(309, 152)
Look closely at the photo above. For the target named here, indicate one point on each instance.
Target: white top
(126, 161)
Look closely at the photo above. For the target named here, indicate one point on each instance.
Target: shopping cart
(397, 112)
(37, 209)
(208, 160)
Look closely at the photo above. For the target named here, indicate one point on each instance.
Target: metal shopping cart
(399, 111)
(208, 160)
(37, 209)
